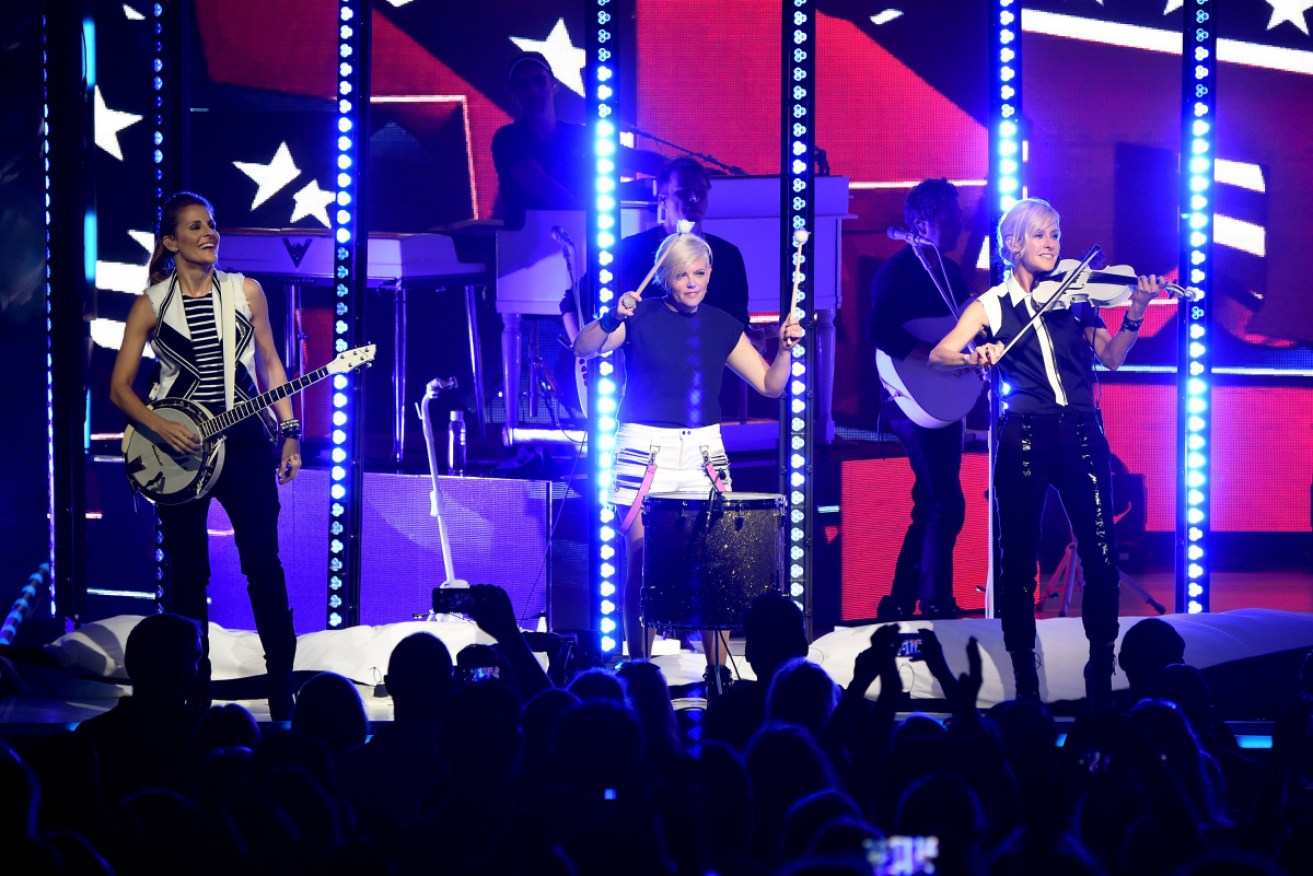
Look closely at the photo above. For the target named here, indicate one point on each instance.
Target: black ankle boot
(1098, 679)
(717, 680)
(890, 609)
(1025, 671)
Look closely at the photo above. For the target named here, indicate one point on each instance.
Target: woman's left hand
(290, 463)
(1147, 288)
(790, 334)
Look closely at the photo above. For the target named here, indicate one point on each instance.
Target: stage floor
(1279, 589)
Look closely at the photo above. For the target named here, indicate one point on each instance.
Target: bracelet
(290, 429)
(1132, 325)
(609, 321)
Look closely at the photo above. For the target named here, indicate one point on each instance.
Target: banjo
(167, 477)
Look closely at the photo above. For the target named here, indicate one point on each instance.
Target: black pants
(1068, 451)
(248, 490)
(925, 562)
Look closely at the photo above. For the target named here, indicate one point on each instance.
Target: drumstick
(683, 226)
(799, 240)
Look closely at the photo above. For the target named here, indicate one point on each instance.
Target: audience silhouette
(502, 773)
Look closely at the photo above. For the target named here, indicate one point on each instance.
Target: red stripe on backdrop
(1262, 461)
(876, 506)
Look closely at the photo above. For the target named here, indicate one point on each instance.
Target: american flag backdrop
(901, 95)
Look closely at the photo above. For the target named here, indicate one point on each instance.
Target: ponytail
(161, 262)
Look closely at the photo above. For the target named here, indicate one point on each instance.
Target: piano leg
(294, 338)
(825, 365)
(510, 365)
(399, 372)
(476, 356)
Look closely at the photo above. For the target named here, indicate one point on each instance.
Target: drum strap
(711, 470)
(643, 488)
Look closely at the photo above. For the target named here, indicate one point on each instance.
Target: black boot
(1098, 679)
(717, 679)
(280, 696)
(890, 609)
(1025, 670)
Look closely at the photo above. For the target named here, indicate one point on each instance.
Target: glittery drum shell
(704, 561)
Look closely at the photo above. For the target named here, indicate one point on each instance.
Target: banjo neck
(239, 412)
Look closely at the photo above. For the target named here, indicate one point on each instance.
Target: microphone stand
(731, 169)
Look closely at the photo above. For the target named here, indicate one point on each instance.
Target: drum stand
(1070, 574)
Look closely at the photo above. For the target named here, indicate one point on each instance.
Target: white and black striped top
(207, 350)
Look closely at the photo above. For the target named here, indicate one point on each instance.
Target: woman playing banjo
(676, 349)
(183, 315)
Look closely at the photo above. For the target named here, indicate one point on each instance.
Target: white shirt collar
(1015, 293)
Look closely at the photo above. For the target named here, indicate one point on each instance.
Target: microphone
(559, 235)
(896, 233)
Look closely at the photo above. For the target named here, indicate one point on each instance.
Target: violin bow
(1066, 283)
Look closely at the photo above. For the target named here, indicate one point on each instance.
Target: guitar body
(163, 475)
(930, 397)
(581, 384)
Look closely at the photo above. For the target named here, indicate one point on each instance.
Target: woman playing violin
(1050, 433)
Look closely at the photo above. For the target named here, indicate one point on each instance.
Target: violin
(1073, 281)
(1105, 287)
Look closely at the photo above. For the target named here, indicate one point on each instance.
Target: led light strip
(1194, 374)
(349, 260)
(606, 544)
(798, 208)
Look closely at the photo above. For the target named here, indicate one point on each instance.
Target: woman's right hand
(627, 304)
(983, 356)
(178, 436)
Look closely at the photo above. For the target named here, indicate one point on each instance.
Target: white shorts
(681, 458)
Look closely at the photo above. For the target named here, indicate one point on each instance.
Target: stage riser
(498, 531)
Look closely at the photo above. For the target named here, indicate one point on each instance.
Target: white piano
(532, 273)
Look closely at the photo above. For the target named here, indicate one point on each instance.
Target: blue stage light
(603, 219)
(1194, 414)
(349, 257)
(797, 207)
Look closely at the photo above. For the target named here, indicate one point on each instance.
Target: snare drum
(705, 560)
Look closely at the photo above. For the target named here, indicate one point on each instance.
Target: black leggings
(1069, 452)
(248, 491)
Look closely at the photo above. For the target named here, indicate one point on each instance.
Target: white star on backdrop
(131, 14)
(1291, 11)
(567, 61)
(313, 201)
(108, 123)
(1173, 5)
(145, 238)
(270, 177)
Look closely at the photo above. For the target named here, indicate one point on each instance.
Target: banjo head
(163, 475)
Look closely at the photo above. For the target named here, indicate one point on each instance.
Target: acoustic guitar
(930, 397)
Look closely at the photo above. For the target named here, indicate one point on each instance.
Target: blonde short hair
(1022, 219)
(684, 250)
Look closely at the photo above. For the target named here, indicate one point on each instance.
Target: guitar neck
(239, 412)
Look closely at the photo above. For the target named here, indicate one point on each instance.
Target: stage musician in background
(683, 190)
(542, 162)
(916, 298)
(181, 316)
(676, 349)
(1050, 433)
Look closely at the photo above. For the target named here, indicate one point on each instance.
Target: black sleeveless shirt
(1052, 368)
